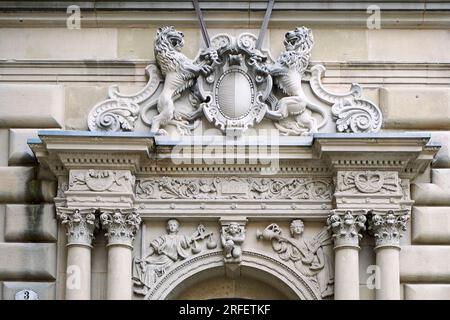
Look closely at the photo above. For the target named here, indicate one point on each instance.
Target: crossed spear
(262, 31)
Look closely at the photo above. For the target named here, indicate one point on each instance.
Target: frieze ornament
(369, 182)
(234, 188)
(80, 225)
(101, 180)
(121, 226)
(166, 250)
(346, 227)
(308, 255)
(235, 85)
(387, 227)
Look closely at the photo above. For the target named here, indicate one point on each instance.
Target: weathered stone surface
(408, 45)
(31, 106)
(30, 223)
(4, 144)
(58, 43)
(19, 151)
(2, 222)
(136, 43)
(424, 264)
(28, 261)
(365, 293)
(441, 138)
(45, 290)
(17, 184)
(415, 108)
(427, 291)
(430, 225)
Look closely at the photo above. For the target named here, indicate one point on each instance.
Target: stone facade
(108, 193)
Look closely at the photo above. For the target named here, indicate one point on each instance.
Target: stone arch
(255, 265)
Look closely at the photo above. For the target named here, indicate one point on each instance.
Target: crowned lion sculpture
(287, 72)
(180, 73)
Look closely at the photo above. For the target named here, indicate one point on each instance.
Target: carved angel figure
(288, 71)
(180, 73)
(164, 251)
(307, 255)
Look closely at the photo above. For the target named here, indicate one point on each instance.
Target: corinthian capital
(387, 226)
(121, 226)
(345, 226)
(80, 225)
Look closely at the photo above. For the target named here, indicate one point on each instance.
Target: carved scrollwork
(234, 188)
(351, 112)
(120, 111)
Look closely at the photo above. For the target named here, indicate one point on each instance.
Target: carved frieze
(101, 180)
(234, 188)
(166, 250)
(368, 182)
(307, 255)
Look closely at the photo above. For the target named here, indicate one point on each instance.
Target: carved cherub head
(233, 229)
(299, 39)
(296, 227)
(172, 226)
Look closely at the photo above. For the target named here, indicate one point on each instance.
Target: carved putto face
(299, 39)
(296, 227)
(173, 37)
(233, 228)
(172, 226)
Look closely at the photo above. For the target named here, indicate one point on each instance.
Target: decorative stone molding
(121, 226)
(346, 226)
(80, 225)
(166, 250)
(307, 255)
(206, 87)
(101, 180)
(387, 226)
(234, 188)
(368, 182)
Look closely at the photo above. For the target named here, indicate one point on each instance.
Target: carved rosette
(346, 226)
(387, 227)
(80, 225)
(121, 226)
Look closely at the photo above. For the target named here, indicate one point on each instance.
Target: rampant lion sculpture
(180, 74)
(288, 71)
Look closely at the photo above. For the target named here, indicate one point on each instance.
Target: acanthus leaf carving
(80, 225)
(121, 226)
(307, 255)
(387, 226)
(346, 226)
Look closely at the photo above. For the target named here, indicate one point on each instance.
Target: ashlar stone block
(30, 223)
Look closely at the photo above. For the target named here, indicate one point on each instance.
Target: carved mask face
(172, 226)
